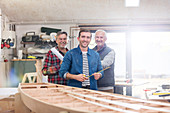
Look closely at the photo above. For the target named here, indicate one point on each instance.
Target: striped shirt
(85, 69)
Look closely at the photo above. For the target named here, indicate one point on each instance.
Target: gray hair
(100, 30)
(61, 32)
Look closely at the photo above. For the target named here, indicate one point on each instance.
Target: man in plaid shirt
(52, 62)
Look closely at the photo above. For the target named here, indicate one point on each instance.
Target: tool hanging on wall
(7, 43)
(2, 43)
(11, 43)
(9, 39)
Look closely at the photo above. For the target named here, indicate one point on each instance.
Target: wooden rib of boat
(54, 98)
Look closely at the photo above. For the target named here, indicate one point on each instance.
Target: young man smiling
(80, 63)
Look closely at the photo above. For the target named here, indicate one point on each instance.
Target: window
(142, 53)
(117, 42)
(150, 54)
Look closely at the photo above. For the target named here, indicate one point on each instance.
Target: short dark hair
(84, 30)
(61, 32)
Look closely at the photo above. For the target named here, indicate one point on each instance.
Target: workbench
(123, 88)
(35, 65)
(150, 95)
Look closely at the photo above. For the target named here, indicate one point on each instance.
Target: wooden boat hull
(39, 106)
(54, 98)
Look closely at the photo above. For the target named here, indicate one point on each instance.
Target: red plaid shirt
(52, 60)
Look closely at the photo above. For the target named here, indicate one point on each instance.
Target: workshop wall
(22, 29)
(6, 52)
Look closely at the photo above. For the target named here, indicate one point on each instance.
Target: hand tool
(97, 72)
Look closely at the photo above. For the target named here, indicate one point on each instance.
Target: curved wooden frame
(52, 98)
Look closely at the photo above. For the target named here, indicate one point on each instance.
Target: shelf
(35, 53)
(24, 43)
(24, 59)
(27, 42)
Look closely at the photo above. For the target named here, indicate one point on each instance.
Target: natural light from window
(151, 54)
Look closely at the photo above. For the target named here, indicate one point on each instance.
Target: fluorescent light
(132, 3)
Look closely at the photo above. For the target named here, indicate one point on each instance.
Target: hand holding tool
(98, 71)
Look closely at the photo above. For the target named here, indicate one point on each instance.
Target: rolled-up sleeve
(109, 59)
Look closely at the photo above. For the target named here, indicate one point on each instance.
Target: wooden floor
(7, 100)
(7, 104)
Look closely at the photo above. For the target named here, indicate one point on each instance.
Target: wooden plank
(38, 66)
(19, 105)
(24, 60)
(7, 104)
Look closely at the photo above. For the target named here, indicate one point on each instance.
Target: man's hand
(96, 75)
(80, 77)
(61, 62)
